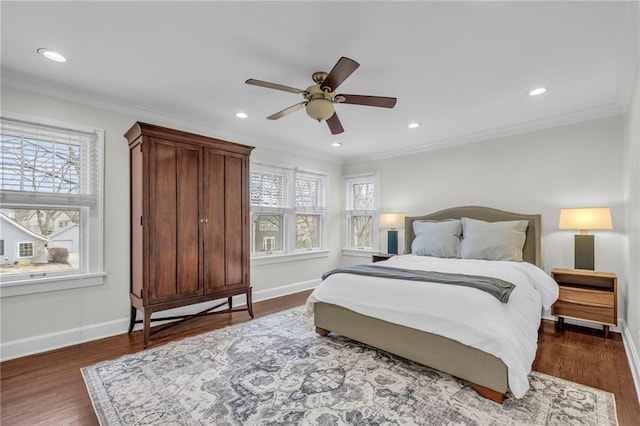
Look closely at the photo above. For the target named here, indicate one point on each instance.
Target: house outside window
(362, 211)
(268, 243)
(51, 191)
(288, 210)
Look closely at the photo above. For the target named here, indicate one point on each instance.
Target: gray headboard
(532, 250)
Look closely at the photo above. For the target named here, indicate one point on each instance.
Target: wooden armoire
(189, 223)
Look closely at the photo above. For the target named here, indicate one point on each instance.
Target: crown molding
(520, 128)
(145, 113)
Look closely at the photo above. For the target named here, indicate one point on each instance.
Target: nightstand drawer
(586, 297)
(599, 314)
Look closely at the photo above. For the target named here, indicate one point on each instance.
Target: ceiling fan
(319, 98)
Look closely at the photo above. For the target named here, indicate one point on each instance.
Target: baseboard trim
(632, 355)
(51, 341)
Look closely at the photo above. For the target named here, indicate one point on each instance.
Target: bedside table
(380, 257)
(586, 295)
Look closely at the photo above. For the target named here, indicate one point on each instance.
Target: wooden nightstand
(380, 257)
(586, 295)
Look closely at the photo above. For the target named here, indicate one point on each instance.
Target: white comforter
(508, 331)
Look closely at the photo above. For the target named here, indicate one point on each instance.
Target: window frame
(91, 227)
(349, 213)
(289, 212)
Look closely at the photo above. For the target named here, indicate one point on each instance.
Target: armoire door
(235, 215)
(223, 236)
(174, 220)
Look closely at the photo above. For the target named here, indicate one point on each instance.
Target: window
(51, 191)
(362, 203)
(310, 209)
(288, 209)
(25, 249)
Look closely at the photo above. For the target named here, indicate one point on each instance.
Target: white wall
(632, 193)
(35, 322)
(538, 172)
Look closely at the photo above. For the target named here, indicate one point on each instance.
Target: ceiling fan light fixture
(336, 144)
(414, 125)
(320, 109)
(241, 114)
(319, 98)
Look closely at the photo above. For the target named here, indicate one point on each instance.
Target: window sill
(359, 253)
(291, 257)
(42, 285)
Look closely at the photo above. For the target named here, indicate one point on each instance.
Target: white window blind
(362, 193)
(48, 162)
(269, 187)
(310, 191)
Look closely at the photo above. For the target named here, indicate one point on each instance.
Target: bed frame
(486, 373)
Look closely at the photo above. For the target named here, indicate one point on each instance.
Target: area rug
(277, 370)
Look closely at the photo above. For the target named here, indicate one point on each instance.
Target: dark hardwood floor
(48, 389)
(583, 355)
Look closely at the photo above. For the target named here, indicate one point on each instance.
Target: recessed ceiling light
(241, 115)
(536, 92)
(414, 125)
(336, 144)
(50, 54)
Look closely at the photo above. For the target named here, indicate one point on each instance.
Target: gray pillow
(493, 240)
(438, 239)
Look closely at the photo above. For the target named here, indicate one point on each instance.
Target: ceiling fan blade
(334, 124)
(273, 86)
(341, 70)
(377, 101)
(287, 111)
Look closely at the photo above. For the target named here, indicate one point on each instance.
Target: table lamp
(585, 219)
(392, 221)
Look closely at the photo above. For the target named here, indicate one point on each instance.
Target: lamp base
(392, 242)
(583, 252)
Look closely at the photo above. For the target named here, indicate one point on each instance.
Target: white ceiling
(462, 69)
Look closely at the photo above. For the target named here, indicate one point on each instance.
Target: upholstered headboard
(532, 250)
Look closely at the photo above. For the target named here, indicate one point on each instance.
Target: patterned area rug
(277, 370)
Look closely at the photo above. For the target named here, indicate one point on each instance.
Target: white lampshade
(584, 219)
(392, 220)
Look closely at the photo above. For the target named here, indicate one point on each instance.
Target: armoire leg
(146, 328)
(249, 302)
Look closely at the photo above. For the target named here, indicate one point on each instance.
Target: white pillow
(438, 239)
(493, 240)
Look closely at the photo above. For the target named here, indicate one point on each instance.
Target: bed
(402, 317)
